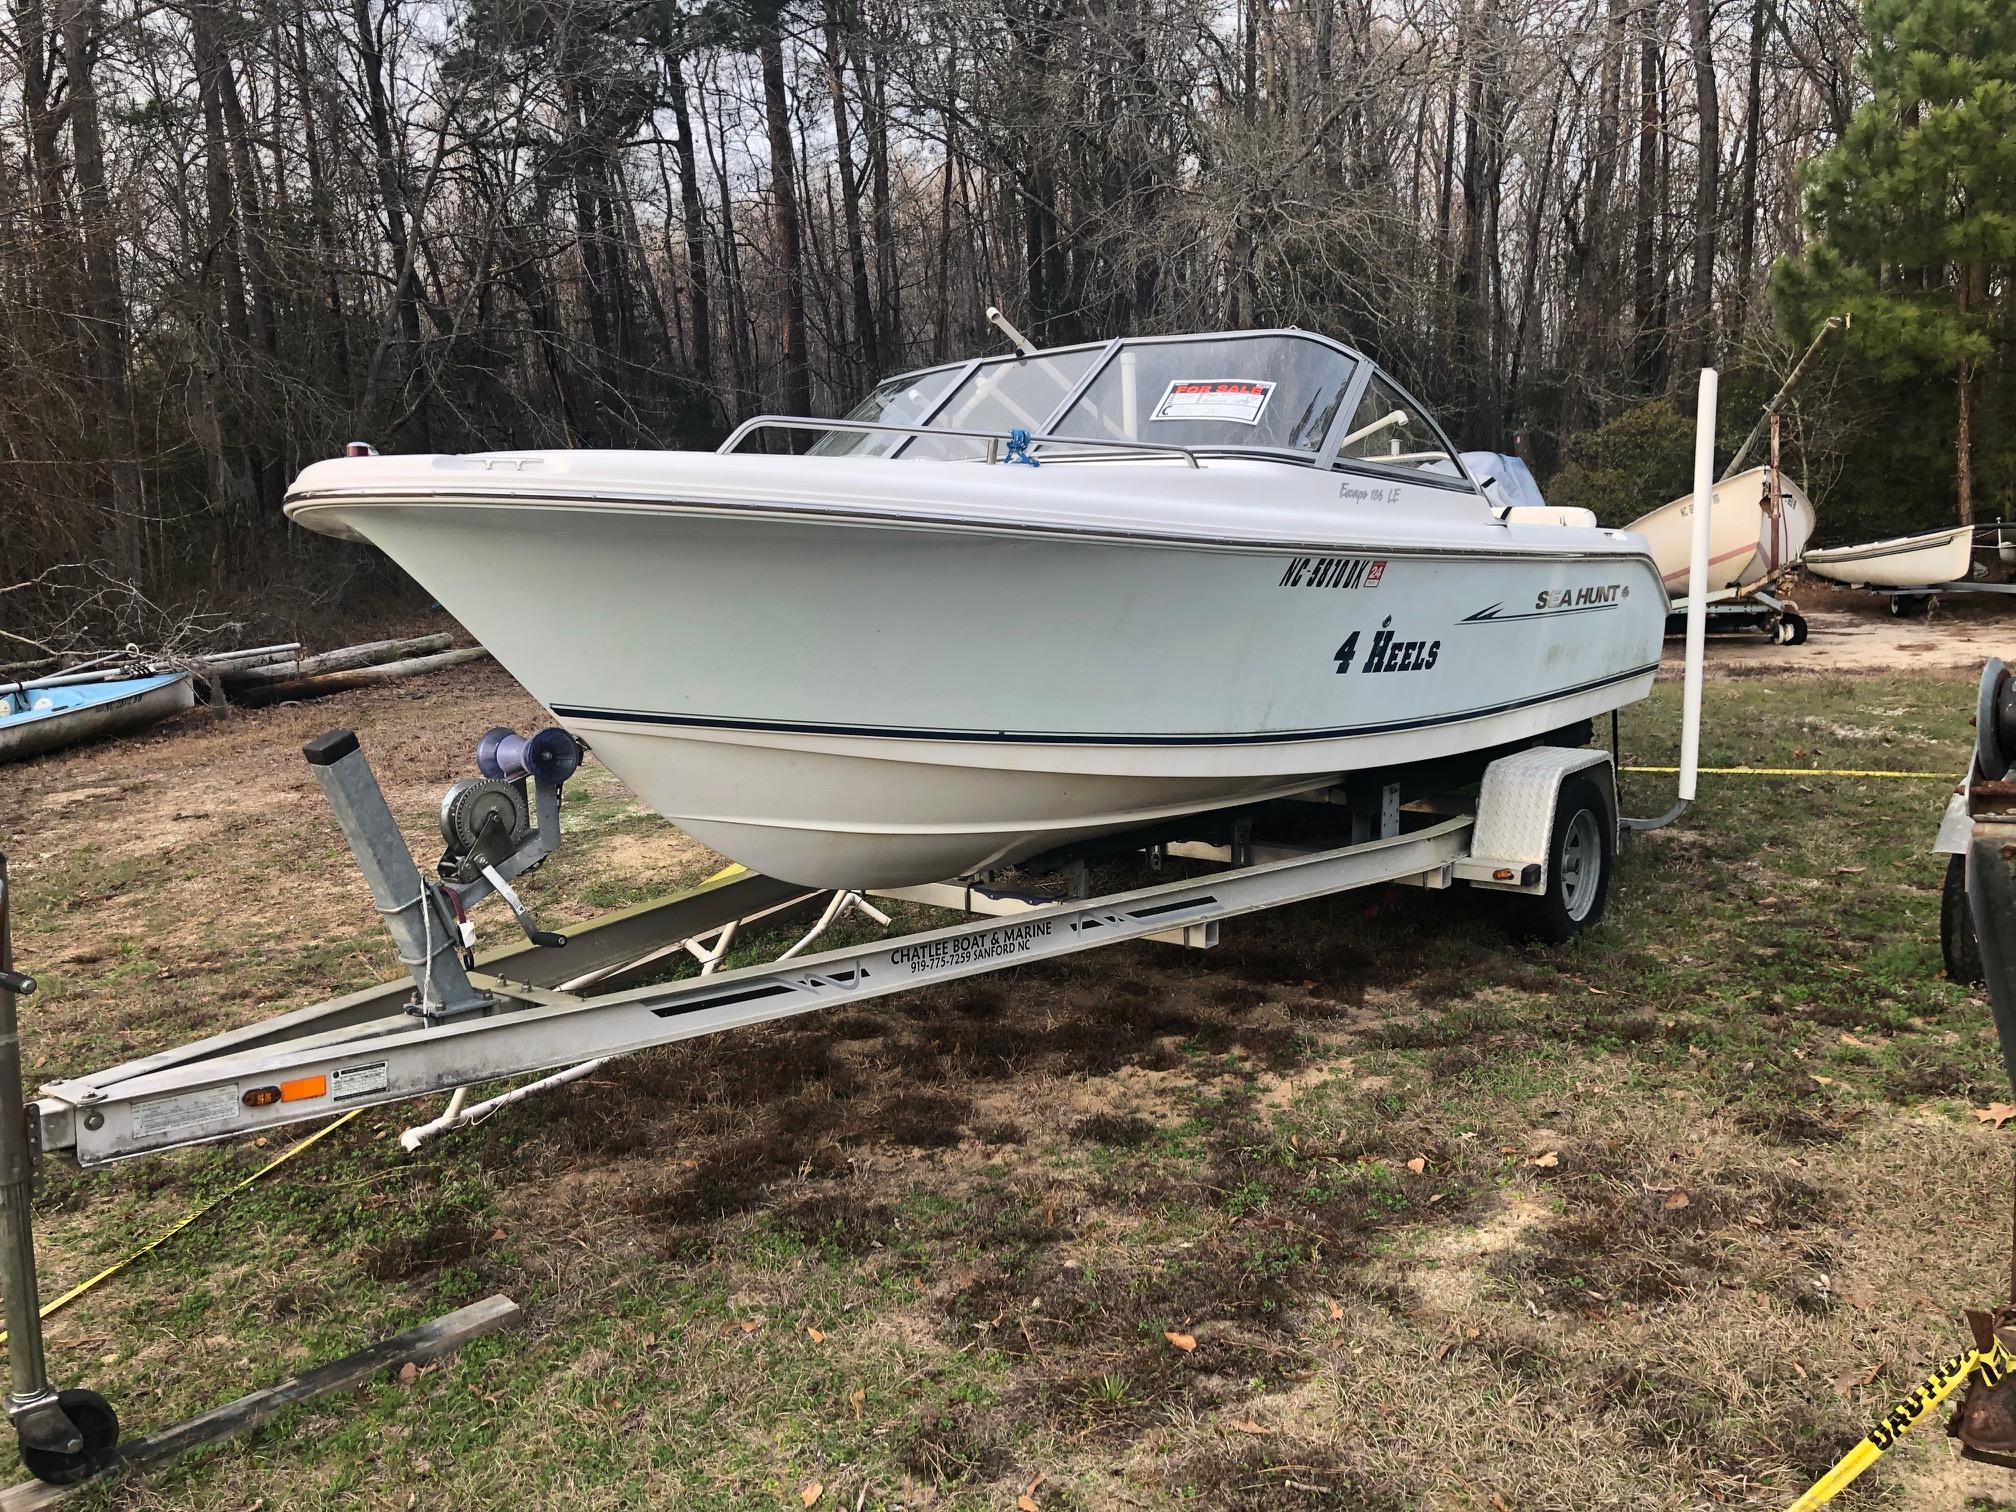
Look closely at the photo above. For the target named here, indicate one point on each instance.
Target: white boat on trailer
(1234, 567)
(1932, 559)
(1756, 535)
(1538, 821)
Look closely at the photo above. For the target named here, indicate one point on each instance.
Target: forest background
(235, 234)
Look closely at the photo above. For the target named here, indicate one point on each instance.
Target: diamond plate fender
(1515, 812)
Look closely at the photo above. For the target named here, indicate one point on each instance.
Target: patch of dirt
(1852, 632)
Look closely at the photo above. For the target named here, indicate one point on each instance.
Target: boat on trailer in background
(1913, 572)
(1758, 530)
(1020, 602)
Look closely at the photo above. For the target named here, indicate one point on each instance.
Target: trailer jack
(65, 1436)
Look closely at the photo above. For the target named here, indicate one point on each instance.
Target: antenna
(1001, 322)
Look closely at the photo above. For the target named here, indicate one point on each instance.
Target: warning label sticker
(359, 1081)
(192, 1110)
(1241, 400)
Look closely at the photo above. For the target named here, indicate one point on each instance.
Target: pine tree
(1913, 211)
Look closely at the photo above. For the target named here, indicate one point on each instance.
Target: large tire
(1957, 941)
(1580, 855)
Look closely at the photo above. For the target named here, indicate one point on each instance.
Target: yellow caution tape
(57, 1304)
(1991, 1364)
(1796, 772)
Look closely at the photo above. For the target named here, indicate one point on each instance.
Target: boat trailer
(1539, 824)
(550, 1001)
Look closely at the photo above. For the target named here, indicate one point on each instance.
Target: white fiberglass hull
(1920, 561)
(837, 696)
(1747, 540)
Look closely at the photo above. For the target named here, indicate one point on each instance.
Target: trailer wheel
(1579, 858)
(1957, 940)
(96, 1423)
(1797, 624)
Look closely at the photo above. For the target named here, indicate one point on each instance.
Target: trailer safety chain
(1992, 1365)
(1793, 772)
(57, 1304)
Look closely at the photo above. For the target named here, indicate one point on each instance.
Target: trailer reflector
(304, 1087)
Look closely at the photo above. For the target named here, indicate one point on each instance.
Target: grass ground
(1660, 1219)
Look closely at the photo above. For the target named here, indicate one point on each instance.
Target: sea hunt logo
(1580, 598)
(966, 950)
(1587, 600)
(1333, 572)
(1388, 652)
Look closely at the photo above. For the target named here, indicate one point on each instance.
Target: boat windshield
(1271, 392)
(907, 400)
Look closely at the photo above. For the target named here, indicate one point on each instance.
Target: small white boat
(1244, 565)
(34, 721)
(1914, 561)
(1750, 536)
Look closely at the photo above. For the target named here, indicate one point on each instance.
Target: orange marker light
(304, 1087)
(261, 1097)
(1503, 874)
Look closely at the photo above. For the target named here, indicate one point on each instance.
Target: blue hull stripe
(1014, 737)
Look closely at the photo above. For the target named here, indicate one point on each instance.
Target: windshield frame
(1459, 482)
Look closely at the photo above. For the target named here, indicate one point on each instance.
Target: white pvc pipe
(1697, 586)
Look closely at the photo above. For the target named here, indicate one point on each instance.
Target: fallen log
(211, 663)
(325, 683)
(370, 653)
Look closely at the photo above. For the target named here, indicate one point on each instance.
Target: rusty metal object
(1985, 1424)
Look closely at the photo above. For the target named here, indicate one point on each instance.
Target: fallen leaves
(1996, 1114)
(1848, 1380)
(1026, 1502)
(1185, 1342)
(1418, 1164)
(408, 1373)
(810, 1492)
(1678, 1200)
(1253, 1428)
(858, 1396)
(815, 1336)
(1546, 1162)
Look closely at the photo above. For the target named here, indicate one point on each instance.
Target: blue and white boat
(38, 720)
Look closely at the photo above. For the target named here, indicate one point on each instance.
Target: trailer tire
(1580, 854)
(1958, 943)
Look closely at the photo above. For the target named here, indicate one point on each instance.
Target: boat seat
(1548, 514)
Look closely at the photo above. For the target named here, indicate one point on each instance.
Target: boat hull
(864, 702)
(1747, 543)
(1920, 561)
(92, 711)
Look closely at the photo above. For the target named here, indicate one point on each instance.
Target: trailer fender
(1515, 815)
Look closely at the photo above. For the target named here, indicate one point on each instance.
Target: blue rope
(1018, 448)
